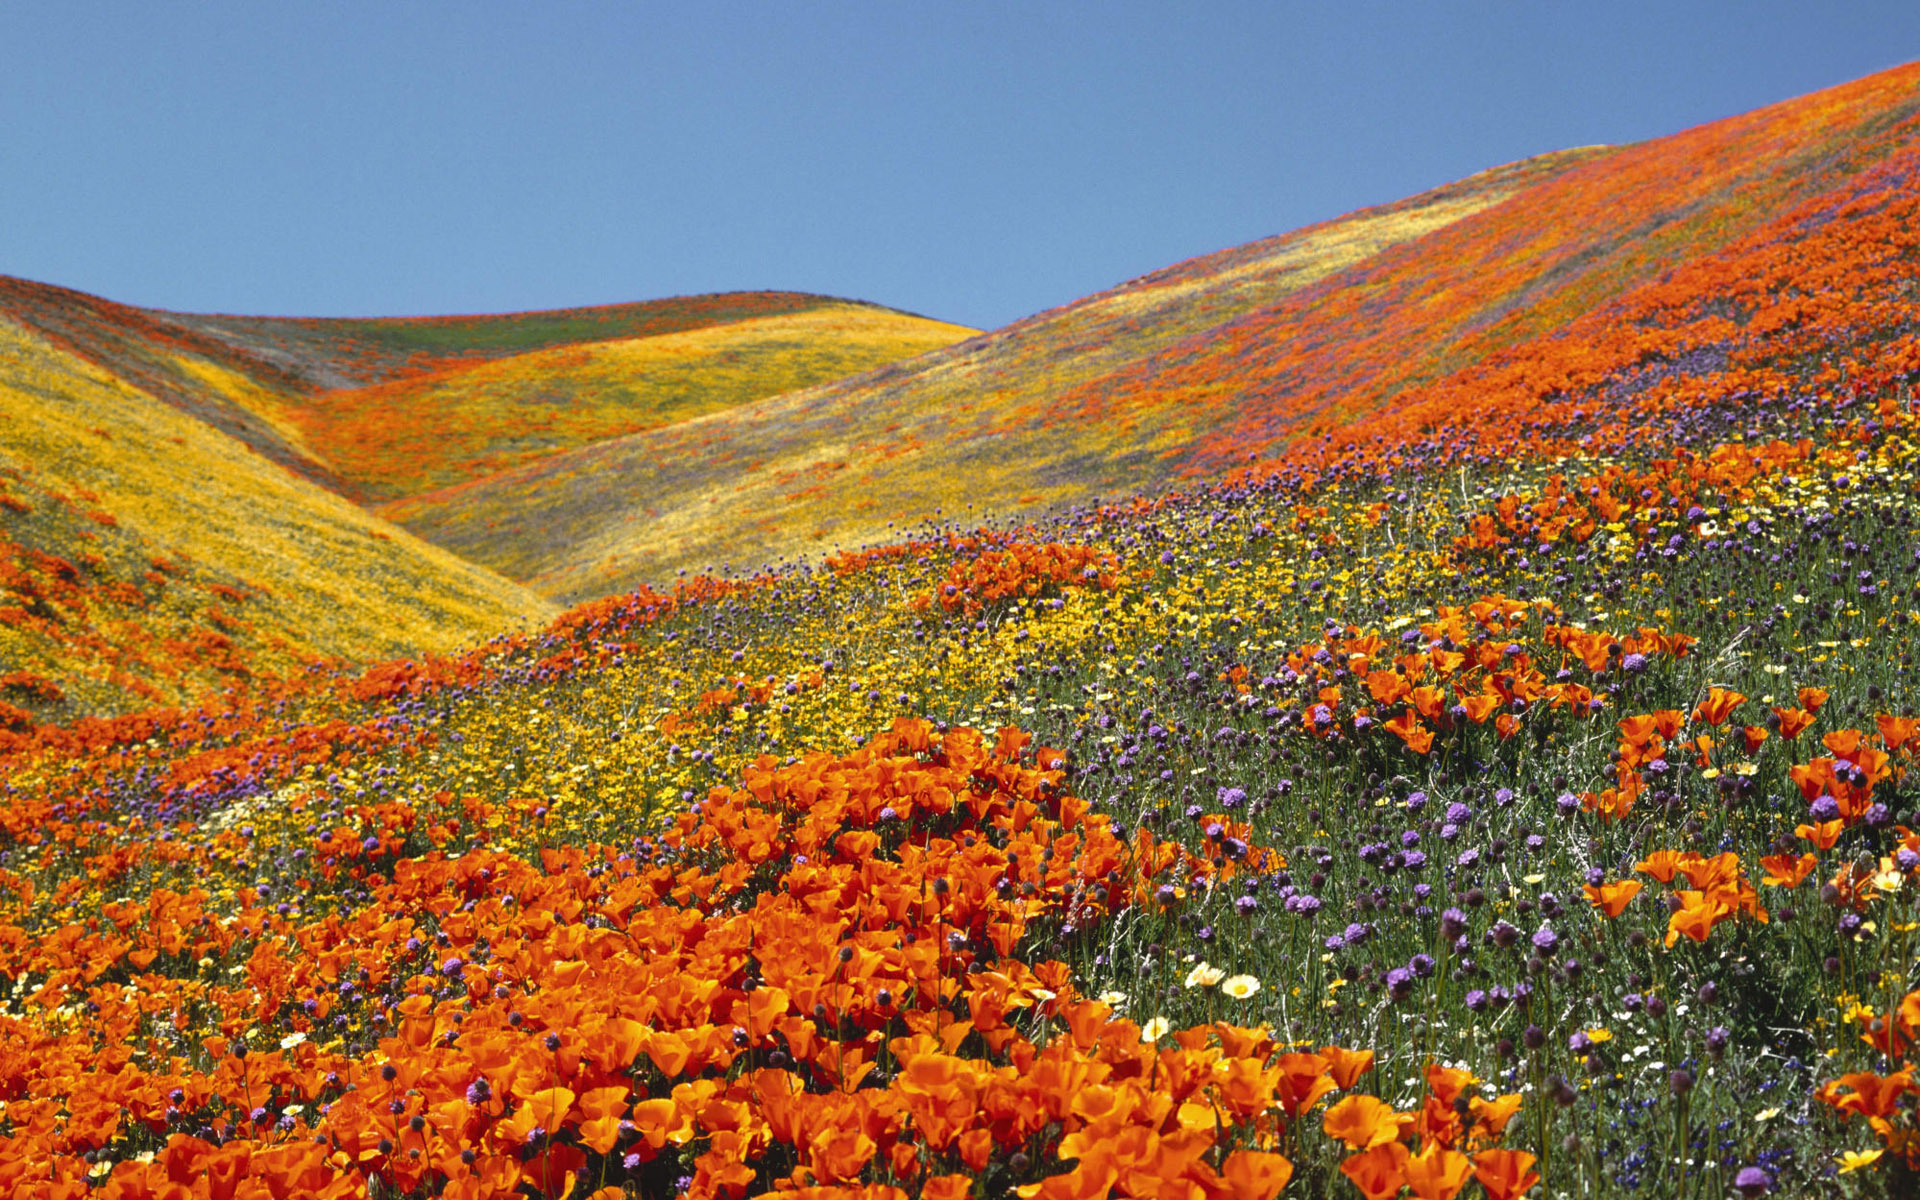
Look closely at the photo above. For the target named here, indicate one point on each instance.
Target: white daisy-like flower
(1155, 1029)
(1204, 974)
(1241, 987)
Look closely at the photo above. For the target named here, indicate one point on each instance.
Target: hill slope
(1514, 796)
(138, 437)
(150, 557)
(1190, 370)
(426, 432)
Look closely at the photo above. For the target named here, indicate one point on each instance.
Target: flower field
(1386, 318)
(1501, 785)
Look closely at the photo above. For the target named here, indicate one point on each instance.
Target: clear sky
(971, 161)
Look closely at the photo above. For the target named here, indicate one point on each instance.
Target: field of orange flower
(1513, 795)
(1447, 308)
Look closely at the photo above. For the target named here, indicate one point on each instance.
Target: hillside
(149, 558)
(1178, 375)
(431, 431)
(1509, 791)
(154, 558)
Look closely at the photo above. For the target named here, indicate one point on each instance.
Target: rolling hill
(184, 491)
(1499, 778)
(151, 558)
(1262, 350)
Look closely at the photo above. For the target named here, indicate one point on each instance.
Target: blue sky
(975, 162)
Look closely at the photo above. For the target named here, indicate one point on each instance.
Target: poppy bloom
(1363, 1122)
(1505, 1174)
(1718, 706)
(1379, 1173)
(1437, 1173)
(1613, 898)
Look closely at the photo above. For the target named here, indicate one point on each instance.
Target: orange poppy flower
(1751, 738)
(1256, 1174)
(1347, 1066)
(1787, 871)
(1811, 698)
(1407, 728)
(1506, 1174)
(1490, 1117)
(1699, 912)
(1613, 898)
(1363, 1122)
(1868, 1095)
(1303, 1080)
(1896, 731)
(1661, 864)
(1668, 721)
(1437, 1173)
(1379, 1173)
(1718, 706)
(1793, 721)
(1822, 835)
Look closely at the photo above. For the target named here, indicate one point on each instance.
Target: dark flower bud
(1680, 1082)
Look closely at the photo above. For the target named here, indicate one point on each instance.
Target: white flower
(1204, 974)
(1155, 1029)
(291, 1040)
(1113, 999)
(1241, 987)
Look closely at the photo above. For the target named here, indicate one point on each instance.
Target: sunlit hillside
(148, 557)
(1181, 374)
(426, 432)
(1511, 791)
(151, 442)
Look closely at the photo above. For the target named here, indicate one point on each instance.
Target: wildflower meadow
(1505, 792)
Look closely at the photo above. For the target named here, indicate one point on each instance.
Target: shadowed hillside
(1185, 372)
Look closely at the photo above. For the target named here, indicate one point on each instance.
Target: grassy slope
(1190, 370)
(181, 399)
(345, 352)
(112, 482)
(1692, 509)
(801, 464)
(422, 433)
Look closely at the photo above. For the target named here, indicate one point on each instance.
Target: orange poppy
(1506, 1174)
(1613, 898)
(1661, 864)
(1822, 835)
(1896, 731)
(1256, 1174)
(1787, 871)
(1793, 721)
(1718, 706)
(1379, 1173)
(1303, 1080)
(1437, 1173)
(1811, 698)
(1363, 1122)
(1347, 1066)
(1699, 912)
